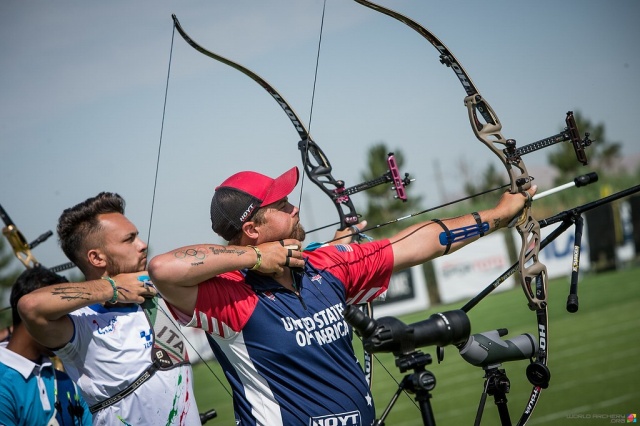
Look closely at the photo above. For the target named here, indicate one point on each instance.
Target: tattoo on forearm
(198, 254)
(226, 250)
(496, 222)
(70, 293)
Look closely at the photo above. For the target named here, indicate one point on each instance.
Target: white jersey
(110, 349)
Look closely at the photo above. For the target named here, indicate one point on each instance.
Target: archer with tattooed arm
(127, 356)
(273, 313)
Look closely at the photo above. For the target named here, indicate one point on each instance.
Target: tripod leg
(483, 400)
(424, 400)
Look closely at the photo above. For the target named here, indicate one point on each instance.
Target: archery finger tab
(146, 281)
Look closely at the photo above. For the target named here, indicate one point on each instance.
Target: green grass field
(593, 357)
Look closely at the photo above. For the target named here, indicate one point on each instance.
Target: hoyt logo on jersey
(351, 418)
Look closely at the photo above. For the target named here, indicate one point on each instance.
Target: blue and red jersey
(288, 357)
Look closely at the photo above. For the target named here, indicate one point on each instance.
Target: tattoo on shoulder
(70, 293)
(226, 250)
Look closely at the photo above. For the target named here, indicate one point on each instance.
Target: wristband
(447, 232)
(114, 299)
(258, 260)
(476, 216)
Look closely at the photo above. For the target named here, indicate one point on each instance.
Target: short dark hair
(78, 223)
(227, 206)
(237, 199)
(28, 281)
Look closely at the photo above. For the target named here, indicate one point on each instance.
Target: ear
(250, 230)
(96, 258)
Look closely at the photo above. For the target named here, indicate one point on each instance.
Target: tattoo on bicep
(70, 293)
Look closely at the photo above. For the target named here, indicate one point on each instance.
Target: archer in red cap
(274, 314)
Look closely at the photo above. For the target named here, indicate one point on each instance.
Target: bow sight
(569, 134)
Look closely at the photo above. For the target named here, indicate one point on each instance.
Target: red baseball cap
(236, 200)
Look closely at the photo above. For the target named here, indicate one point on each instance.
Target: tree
(491, 178)
(382, 207)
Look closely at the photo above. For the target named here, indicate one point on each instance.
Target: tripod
(498, 385)
(420, 383)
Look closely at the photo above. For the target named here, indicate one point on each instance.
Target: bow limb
(487, 129)
(316, 165)
(21, 248)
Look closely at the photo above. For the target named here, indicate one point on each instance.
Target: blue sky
(83, 86)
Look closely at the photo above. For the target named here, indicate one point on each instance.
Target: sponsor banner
(407, 293)
(464, 273)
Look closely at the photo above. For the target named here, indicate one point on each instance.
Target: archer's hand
(131, 289)
(346, 235)
(511, 205)
(278, 255)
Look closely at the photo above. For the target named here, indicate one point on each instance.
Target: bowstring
(313, 97)
(153, 198)
(164, 112)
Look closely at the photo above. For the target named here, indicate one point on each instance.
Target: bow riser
(489, 133)
(318, 168)
(21, 248)
(529, 229)
(529, 251)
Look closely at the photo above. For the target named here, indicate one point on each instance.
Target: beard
(298, 233)
(114, 268)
